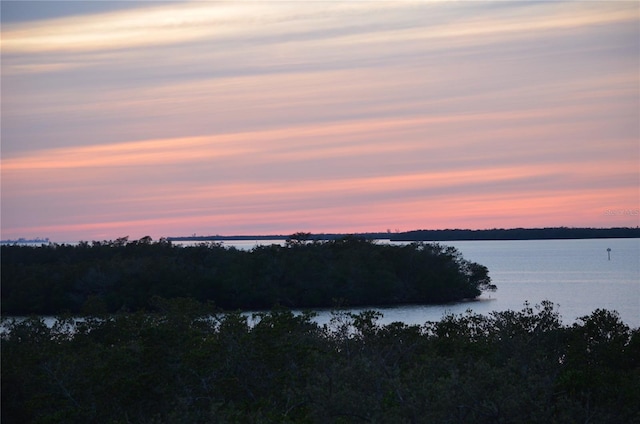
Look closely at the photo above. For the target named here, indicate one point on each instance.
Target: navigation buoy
(609, 253)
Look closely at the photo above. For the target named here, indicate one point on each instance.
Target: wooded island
(125, 275)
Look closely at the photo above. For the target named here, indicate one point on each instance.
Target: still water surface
(576, 275)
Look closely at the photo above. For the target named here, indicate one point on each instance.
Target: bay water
(578, 276)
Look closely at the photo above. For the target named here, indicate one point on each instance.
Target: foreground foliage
(126, 275)
(189, 364)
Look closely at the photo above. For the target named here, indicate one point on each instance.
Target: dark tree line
(188, 363)
(546, 233)
(550, 233)
(124, 275)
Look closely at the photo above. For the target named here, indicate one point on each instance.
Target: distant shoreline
(26, 241)
(547, 233)
(550, 233)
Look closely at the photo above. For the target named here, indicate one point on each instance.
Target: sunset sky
(272, 117)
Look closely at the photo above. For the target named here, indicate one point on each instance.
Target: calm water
(576, 275)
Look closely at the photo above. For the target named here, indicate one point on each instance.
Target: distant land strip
(547, 233)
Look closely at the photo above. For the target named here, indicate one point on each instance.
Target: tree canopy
(190, 363)
(119, 275)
